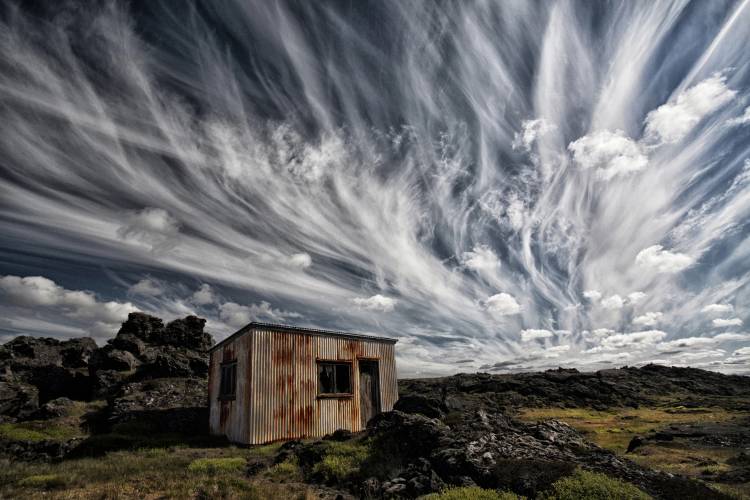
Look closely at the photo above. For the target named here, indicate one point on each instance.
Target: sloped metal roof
(301, 329)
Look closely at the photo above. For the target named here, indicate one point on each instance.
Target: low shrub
(42, 481)
(216, 465)
(471, 493)
(586, 485)
(288, 470)
(341, 460)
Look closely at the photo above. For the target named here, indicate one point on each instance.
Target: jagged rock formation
(35, 371)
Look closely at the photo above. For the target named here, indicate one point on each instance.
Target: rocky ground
(72, 413)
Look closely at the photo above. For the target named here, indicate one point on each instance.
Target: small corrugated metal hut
(271, 382)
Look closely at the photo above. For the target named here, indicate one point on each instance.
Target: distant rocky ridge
(147, 366)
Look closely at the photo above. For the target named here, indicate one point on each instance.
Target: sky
(502, 186)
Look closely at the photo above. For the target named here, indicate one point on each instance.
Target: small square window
(228, 384)
(334, 378)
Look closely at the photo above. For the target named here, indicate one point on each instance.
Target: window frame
(232, 367)
(333, 395)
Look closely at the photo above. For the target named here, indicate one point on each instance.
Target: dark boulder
(17, 401)
(145, 327)
(163, 405)
(415, 403)
(57, 408)
(110, 358)
(188, 333)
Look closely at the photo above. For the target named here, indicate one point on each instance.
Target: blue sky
(501, 185)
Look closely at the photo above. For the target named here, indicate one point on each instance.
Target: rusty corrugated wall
(279, 392)
(229, 417)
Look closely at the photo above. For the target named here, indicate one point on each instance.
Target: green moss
(288, 470)
(216, 465)
(471, 493)
(42, 481)
(38, 431)
(585, 485)
(341, 460)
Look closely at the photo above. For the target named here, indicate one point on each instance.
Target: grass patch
(36, 431)
(613, 429)
(216, 465)
(288, 470)
(585, 485)
(42, 481)
(471, 493)
(341, 460)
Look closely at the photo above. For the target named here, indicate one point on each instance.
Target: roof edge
(300, 329)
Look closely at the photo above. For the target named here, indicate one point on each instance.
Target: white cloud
(533, 334)
(204, 295)
(597, 334)
(481, 259)
(741, 120)
(691, 342)
(674, 120)
(375, 303)
(153, 226)
(38, 291)
(609, 153)
(662, 261)
(147, 287)
(648, 319)
(300, 260)
(592, 295)
(717, 308)
(503, 304)
(613, 302)
(721, 322)
(742, 351)
(531, 130)
(237, 315)
(636, 297)
(633, 339)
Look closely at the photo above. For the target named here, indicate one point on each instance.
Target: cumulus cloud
(662, 261)
(37, 291)
(146, 287)
(481, 259)
(674, 120)
(721, 322)
(741, 120)
(377, 303)
(717, 308)
(534, 334)
(153, 226)
(237, 315)
(636, 297)
(592, 295)
(530, 131)
(648, 319)
(633, 339)
(613, 302)
(300, 260)
(609, 154)
(597, 334)
(204, 295)
(503, 304)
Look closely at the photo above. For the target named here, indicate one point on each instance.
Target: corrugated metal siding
(230, 417)
(281, 386)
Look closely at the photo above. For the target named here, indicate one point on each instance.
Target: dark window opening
(228, 384)
(334, 378)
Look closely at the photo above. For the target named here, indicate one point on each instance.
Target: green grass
(38, 431)
(471, 493)
(288, 470)
(216, 465)
(42, 481)
(586, 485)
(341, 460)
(216, 472)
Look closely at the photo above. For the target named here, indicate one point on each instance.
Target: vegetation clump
(471, 493)
(216, 465)
(586, 485)
(42, 481)
(341, 461)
